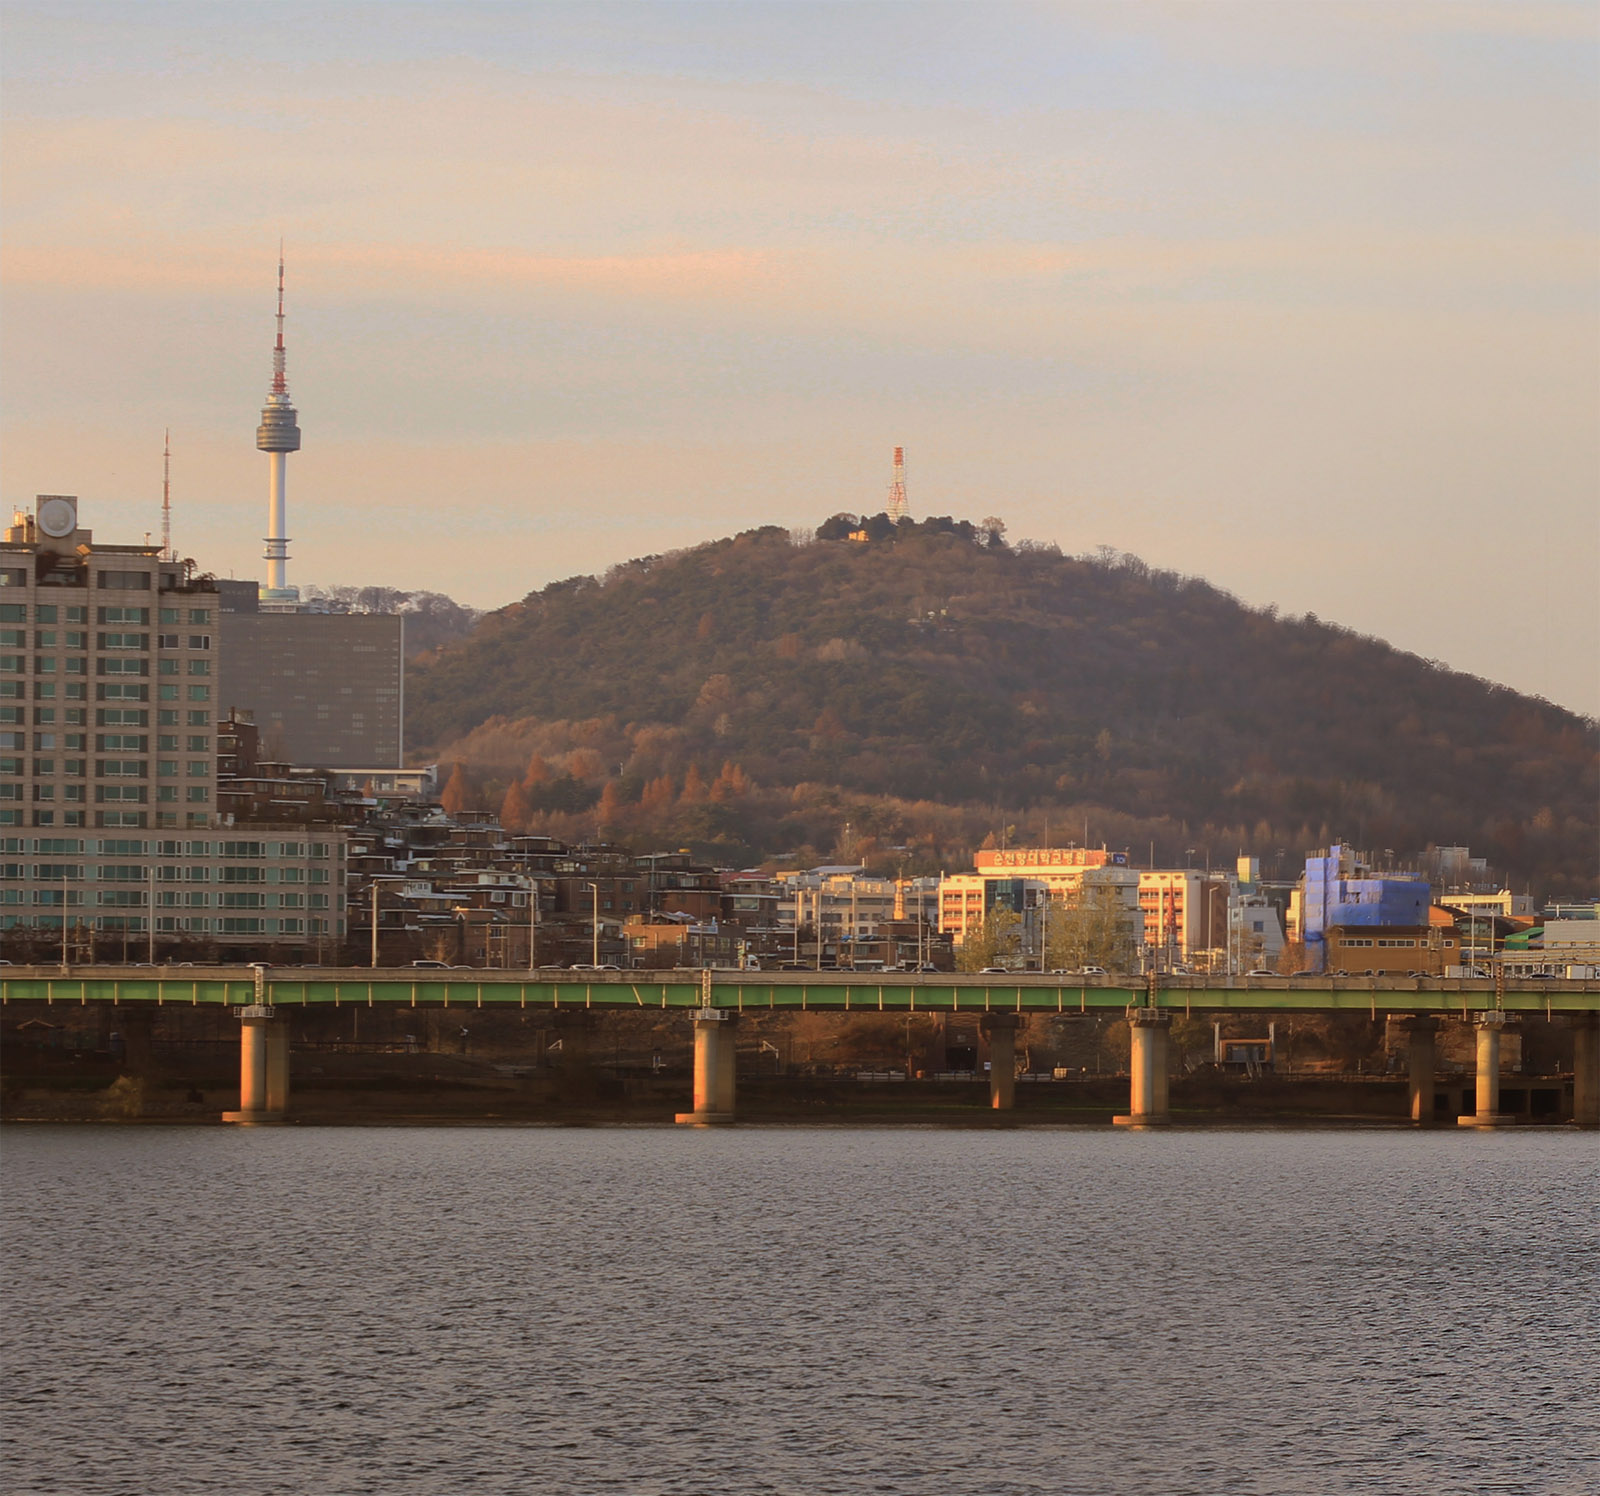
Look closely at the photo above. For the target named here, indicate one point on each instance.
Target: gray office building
(326, 690)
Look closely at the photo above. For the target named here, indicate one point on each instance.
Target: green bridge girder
(293, 987)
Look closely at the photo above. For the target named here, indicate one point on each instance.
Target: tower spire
(280, 384)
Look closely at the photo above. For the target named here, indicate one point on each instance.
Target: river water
(336, 1312)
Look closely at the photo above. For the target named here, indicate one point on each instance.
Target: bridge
(712, 1001)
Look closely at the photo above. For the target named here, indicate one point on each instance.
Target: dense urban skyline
(1298, 300)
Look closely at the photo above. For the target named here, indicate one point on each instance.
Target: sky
(1300, 298)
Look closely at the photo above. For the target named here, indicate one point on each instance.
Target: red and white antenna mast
(899, 508)
(166, 495)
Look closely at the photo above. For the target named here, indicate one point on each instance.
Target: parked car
(434, 965)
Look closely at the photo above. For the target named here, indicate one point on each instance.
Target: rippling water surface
(351, 1310)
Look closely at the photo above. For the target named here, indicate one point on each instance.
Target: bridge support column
(1148, 1029)
(1486, 1112)
(1586, 1070)
(1420, 1059)
(714, 1068)
(1001, 1029)
(263, 1067)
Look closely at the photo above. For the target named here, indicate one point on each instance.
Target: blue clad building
(1339, 893)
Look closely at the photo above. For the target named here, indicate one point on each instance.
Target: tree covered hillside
(934, 663)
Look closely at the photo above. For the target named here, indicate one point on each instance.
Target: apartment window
(120, 742)
(167, 794)
(13, 612)
(13, 638)
(200, 615)
(123, 641)
(199, 641)
(171, 615)
(106, 794)
(198, 743)
(199, 667)
(166, 693)
(125, 581)
(167, 667)
(122, 691)
(121, 768)
(200, 693)
(140, 616)
(197, 794)
(199, 719)
(198, 768)
(242, 900)
(44, 690)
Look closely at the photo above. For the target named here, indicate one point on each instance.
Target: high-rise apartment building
(108, 752)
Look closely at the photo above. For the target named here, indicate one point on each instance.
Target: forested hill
(934, 663)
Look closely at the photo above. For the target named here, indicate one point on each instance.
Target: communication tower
(278, 435)
(898, 507)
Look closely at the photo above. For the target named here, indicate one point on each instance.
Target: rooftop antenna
(898, 507)
(166, 495)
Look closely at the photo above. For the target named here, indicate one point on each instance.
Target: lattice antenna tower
(899, 508)
(166, 495)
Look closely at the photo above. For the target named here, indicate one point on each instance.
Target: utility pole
(533, 923)
(594, 890)
(150, 921)
(374, 923)
(65, 959)
(817, 911)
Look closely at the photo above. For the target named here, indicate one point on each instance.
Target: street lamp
(594, 889)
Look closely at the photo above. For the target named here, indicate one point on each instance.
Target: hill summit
(928, 681)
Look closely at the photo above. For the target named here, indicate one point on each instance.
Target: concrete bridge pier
(263, 1067)
(714, 1068)
(1420, 1064)
(1148, 1028)
(1486, 1111)
(1001, 1029)
(1586, 1070)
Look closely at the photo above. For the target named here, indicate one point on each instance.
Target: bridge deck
(810, 991)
